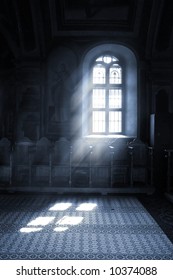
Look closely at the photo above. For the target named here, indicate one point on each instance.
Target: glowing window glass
(99, 74)
(115, 122)
(107, 59)
(106, 102)
(98, 121)
(99, 98)
(115, 76)
(115, 98)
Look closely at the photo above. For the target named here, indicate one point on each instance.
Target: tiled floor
(79, 227)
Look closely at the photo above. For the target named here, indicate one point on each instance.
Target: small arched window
(109, 92)
(106, 100)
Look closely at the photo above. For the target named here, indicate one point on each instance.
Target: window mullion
(107, 100)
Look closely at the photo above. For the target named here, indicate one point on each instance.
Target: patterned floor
(161, 210)
(79, 227)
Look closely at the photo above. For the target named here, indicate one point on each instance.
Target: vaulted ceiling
(32, 27)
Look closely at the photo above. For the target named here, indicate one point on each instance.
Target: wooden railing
(43, 163)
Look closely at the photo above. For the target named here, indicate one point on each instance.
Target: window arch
(109, 91)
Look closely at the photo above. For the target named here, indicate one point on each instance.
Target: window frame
(107, 86)
(131, 94)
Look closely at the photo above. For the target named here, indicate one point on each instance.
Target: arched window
(109, 91)
(106, 100)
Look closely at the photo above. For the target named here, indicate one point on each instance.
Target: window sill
(107, 138)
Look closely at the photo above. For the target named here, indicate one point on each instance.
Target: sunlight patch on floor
(27, 230)
(86, 206)
(70, 220)
(60, 206)
(41, 221)
(60, 229)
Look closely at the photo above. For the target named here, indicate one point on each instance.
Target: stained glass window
(115, 74)
(99, 74)
(107, 96)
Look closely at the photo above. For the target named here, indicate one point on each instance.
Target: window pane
(99, 74)
(98, 98)
(115, 75)
(115, 122)
(98, 121)
(99, 58)
(107, 58)
(115, 98)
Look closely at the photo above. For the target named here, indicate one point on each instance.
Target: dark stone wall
(42, 96)
(61, 77)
